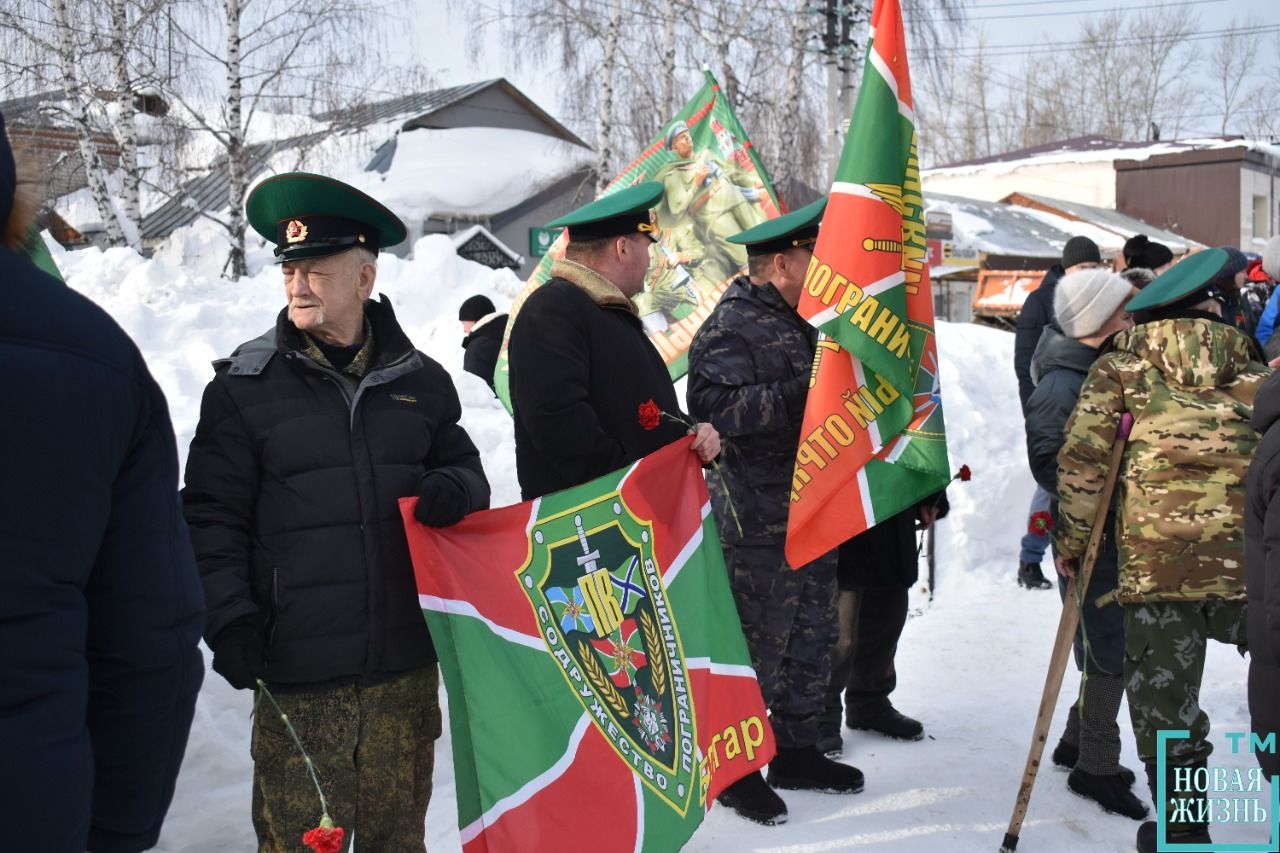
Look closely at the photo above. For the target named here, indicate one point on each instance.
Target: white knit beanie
(1083, 301)
(1271, 257)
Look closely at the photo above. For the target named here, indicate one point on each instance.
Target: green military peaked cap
(623, 212)
(1180, 280)
(797, 228)
(310, 216)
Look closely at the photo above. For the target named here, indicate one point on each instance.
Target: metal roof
(403, 107)
(1113, 220)
(1012, 231)
(209, 192)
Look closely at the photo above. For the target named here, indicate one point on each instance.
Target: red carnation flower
(964, 474)
(324, 839)
(650, 415)
(1041, 523)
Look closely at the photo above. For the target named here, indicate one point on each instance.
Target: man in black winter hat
(1080, 253)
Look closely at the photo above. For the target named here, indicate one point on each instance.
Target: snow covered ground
(971, 664)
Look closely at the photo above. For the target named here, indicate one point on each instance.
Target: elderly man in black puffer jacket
(308, 437)
(1262, 572)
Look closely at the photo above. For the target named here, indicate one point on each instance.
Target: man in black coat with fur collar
(580, 364)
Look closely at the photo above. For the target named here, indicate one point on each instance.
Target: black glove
(237, 653)
(442, 500)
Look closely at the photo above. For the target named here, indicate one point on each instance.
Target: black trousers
(871, 621)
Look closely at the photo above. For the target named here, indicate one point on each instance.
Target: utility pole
(848, 56)
(829, 49)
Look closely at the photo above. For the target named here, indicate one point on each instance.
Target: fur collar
(602, 291)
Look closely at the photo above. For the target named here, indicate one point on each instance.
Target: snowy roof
(457, 171)
(468, 171)
(997, 228)
(1095, 149)
(1121, 224)
(415, 110)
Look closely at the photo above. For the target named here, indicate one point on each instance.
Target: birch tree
(263, 49)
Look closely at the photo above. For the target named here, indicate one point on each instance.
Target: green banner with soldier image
(714, 186)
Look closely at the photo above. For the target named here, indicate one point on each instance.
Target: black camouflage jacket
(749, 375)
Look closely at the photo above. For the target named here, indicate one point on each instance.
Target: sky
(436, 35)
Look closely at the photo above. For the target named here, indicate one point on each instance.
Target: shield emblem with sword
(601, 604)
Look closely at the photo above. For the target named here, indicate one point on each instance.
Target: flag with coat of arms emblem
(600, 690)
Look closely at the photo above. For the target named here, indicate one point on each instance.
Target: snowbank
(971, 663)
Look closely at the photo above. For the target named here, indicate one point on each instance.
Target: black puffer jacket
(749, 376)
(481, 346)
(291, 495)
(1037, 312)
(100, 601)
(581, 366)
(1059, 367)
(1262, 568)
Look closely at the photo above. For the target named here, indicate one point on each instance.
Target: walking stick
(1067, 624)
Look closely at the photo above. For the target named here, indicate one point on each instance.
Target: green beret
(623, 212)
(797, 228)
(1180, 280)
(310, 216)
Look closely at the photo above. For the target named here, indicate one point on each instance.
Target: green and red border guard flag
(600, 690)
(692, 263)
(873, 441)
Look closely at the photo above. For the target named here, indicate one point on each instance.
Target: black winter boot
(831, 745)
(804, 768)
(1030, 576)
(1065, 755)
(885, 719)
(1110, 792)
(1195, 831)
(752, 798)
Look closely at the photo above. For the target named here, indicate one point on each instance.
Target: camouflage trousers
(373, 749)
(1164, 650)
(789, 620)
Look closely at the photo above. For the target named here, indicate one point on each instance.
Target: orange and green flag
(873, 441)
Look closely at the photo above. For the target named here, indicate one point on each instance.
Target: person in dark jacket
(1089, 306)
(483, 327)
(100, 601)
(308, 436)
(1228, 286)
(749, 369)
(1080, 253)
(1262, 571)
(580, 363)
(874, 572)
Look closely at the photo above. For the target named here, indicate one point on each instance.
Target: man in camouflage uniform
(749, 370)
(1188, 380)
(719, 196)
